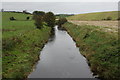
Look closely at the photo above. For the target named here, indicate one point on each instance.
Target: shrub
(103, 19)
(49, 18)
(27, 18)
(38, 17)
(38, 13)
(38, 22)
(12, 18)
(61, 21)
(118, 18)
(109, 18)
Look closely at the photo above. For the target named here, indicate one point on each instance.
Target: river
(60, 58)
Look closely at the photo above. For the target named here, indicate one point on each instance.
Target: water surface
(60, 58)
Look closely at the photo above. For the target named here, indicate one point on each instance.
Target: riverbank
(99, 47)
(22, 43)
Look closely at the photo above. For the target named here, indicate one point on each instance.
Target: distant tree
(49, 18)
(38, 17)
(2, 10)
(28, 18)
(24, 11)
(61, 21)
(38, 13)
(38, 22)
(12, 18)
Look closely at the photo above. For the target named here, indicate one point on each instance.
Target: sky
(61, 6)
(60, 0)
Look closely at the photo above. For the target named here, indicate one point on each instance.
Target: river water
(60, 58)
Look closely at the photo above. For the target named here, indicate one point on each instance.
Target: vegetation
(63, 15)
(12, 18)
(49, 18)
(113, 15)
(99, 47)
(38, 17)
(28, 18)
(41, 18)
(21, 44)
(61, 21)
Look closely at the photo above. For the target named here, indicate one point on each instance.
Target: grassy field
(98, 16)
(99, 47)
(22, 42)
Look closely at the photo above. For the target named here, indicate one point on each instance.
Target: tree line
(44, 19)
(41, 18)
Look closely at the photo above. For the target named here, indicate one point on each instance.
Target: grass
(100, 48)
(21, 44)
(98, 16)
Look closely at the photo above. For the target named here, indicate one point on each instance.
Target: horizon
(57, 13)
(61, 7)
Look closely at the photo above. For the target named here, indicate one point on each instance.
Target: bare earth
(107, 26)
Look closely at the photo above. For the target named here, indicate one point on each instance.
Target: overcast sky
(62, 7)
(60, 0)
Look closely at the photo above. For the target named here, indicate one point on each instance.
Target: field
(99, 47)
(98, 16)
(97, 40)
(107, 26)
(96, 37)
(22, 43)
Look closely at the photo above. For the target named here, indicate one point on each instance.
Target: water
(60, 58)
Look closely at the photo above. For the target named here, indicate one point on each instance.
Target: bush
(109, 18)
(118, 18)
(49, 18)
(12, 18)
(38, 22)
(27, 18)
(103, 19)
(41, 17)
(61, 21)
(38, 17)
(38, 13)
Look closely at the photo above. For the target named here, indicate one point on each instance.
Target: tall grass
(100, 48)
(22, 43)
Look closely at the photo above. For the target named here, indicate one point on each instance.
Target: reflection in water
(52, 36)
(60, 58)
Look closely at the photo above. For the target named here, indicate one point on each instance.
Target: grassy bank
(99, 47)
(97, 16)
(22, 43)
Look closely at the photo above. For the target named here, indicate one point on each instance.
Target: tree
(49, 18)
(38, 17)
(61, 21)
(38, 13)
(28, 18)
(12, 18)
(24, 11)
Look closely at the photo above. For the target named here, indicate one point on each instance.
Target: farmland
(97, 41)
(97, 16)
(21, 44)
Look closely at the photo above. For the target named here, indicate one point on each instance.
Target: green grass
(21, 44)
(95, 16)
(100, 48)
